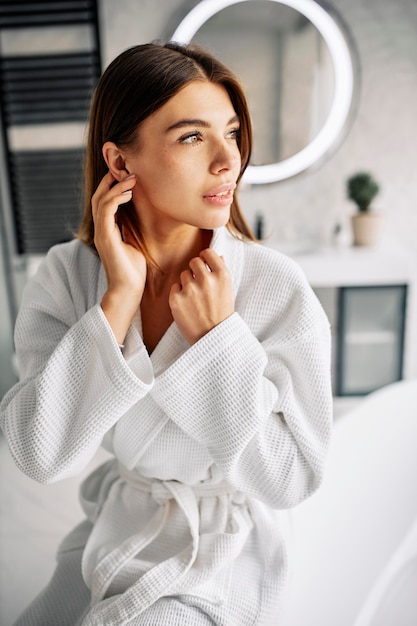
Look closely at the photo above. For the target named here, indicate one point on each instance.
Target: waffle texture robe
(209, 442)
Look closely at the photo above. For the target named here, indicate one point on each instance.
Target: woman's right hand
(124, 264)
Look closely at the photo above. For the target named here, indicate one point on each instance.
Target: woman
(197, 357)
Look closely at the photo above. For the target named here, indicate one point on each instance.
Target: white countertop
(333, 267)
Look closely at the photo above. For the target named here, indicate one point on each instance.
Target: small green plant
(362, 189)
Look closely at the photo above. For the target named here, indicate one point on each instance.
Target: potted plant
(362, 189)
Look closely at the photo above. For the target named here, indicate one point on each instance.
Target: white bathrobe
(210, 441)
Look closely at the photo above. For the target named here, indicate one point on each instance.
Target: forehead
(197, 100)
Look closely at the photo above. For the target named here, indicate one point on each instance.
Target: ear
(115, 160)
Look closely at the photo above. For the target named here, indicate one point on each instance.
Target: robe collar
(231, 249)
(172, 344)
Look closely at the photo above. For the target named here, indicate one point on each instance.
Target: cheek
(164, 176)
(167, 175)
(148, 172)
(159, 185)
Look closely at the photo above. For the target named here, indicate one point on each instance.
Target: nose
(226, 157)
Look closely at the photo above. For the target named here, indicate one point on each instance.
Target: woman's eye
(196, 136)
(191, 138)
(234, 134)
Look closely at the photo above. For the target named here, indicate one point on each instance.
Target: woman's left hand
(204, 297)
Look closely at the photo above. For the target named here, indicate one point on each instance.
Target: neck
(172, 255)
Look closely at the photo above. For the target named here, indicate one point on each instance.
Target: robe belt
(163, 490)
(166, 577)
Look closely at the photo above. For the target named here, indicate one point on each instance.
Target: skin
(176, 176)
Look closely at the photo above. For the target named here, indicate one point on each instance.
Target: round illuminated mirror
(295, 64)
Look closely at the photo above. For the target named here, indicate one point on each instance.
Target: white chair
(355, 540)
(394, 593)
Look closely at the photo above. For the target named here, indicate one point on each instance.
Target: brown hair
(136, 84)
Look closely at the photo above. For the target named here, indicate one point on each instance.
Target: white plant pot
(366, 228)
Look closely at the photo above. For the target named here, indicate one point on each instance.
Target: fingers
(201, 268)
(110, 195)
(175, 290)
(105, 202)
(214, 262)
(198, 268)
(208, 261)
(203, 297)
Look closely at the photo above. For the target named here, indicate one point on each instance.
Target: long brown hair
(136, 84)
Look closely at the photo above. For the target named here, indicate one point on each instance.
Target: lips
(223, 191)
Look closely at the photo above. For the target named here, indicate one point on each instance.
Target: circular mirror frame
(343, 67)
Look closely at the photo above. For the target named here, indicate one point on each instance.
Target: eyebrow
(197, 122)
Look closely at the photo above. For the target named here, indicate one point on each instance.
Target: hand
(124, 264)
(204, 296)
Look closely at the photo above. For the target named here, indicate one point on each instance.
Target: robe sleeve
(74, 382)
(262, 409)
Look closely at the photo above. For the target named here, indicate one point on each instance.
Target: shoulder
(273, 271)
(69, 253)
(68, 269)
(275, 290)
(254, 262)
(69, 258)
(262, 257)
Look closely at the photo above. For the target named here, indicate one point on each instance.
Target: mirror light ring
(340, 54)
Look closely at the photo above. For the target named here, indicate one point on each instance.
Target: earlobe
(115, 160)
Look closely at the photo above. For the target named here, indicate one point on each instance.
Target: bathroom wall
(301, 213)
(382, 138)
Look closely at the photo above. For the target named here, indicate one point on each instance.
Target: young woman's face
(187, 161)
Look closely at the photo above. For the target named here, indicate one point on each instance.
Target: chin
(216, 221)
